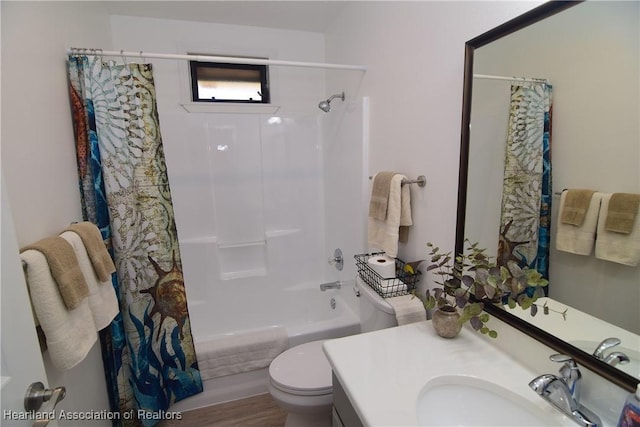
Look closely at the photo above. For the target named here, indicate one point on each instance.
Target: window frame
(264, 81)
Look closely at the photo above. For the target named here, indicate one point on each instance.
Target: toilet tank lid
(373, 297)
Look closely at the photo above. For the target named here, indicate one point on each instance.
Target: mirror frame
(546, 10)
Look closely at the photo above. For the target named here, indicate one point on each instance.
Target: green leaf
(493, 334)
(429, 302)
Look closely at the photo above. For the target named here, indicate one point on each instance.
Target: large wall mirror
(589, 52)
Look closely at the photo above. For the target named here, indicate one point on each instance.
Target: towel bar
(421, 181)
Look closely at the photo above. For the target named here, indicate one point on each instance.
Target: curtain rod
(518, 79)
(208, 58)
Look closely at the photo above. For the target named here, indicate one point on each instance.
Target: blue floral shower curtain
(526, 197)
(148, 350)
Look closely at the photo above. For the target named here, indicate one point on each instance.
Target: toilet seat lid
(303, 369)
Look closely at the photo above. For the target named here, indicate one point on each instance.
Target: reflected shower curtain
(526, 197)
(148, 349)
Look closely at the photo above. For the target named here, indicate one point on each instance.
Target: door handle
(37, 394)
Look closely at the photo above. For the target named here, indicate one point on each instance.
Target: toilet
(300, 377)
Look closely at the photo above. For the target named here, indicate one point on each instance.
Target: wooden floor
(256, 411)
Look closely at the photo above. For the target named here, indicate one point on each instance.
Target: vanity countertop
(382, 372)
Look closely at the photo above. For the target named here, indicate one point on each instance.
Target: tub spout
(330, 285)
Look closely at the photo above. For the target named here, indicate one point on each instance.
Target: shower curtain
(148, 349)
(526, 197)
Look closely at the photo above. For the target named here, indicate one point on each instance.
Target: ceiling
(314, 16)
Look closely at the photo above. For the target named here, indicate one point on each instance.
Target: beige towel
(408, 309)
(380, 195)
(70, 334)
(617, 247)
(103, 301)
(575, 206)
(579, 239)
(384, 235)
(622, 212)
(64, 267)
(92, 239)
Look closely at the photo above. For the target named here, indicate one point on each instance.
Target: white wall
(38, 155)
(415, 55)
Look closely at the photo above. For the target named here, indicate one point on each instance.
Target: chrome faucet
(614, 357)
(330, 285)
(563, 391)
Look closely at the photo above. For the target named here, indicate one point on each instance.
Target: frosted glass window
(222, 82)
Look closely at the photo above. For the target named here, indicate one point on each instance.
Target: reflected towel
(240, 352)
(575, 206)
(380, 195)
(95, 247)
(64, 267)
(617, 247)
(385, 235)
(622, 212)
(103, 301)
(408, 309)
(579, 239)
(70, 334)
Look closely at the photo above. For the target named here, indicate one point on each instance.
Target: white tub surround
(383, 372)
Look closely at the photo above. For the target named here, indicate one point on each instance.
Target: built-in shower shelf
(230, 107)
(200, 240)
(282, 232)
(230, 275)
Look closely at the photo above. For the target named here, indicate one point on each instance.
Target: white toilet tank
(375, 312)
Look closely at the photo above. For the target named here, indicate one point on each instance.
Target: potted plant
(473, 279)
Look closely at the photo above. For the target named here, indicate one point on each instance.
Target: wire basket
(402, 284)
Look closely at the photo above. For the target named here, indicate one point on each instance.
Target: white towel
(70, 334)
(617, 247)
(392, 287)
(384, 235)
(408, 309)
(103, 301)
(579, 239)
(240, 352)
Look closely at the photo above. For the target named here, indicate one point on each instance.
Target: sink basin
(468, 401)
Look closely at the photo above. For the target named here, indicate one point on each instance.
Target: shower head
(326, 105)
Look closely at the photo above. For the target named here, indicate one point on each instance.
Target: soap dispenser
(630, 416)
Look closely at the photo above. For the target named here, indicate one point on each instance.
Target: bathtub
(308, 314)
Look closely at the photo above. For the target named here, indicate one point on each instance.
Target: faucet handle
(604, 345)
(570, 368)
(563, 358)
(570, 373)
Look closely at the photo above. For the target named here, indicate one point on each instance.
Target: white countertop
(382, 372)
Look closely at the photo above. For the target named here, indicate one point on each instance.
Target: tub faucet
(614, 357)
(330, 285)
(563, 391)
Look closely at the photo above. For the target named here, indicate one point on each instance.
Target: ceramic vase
(445, 321)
